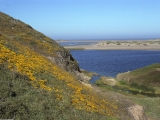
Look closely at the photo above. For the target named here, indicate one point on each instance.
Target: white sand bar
(121, 45)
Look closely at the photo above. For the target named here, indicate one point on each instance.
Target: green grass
(146, 69)
(143, 82)
(36, 41)
(150, 105)
(124, 86)
(144, 78)
(20, 100)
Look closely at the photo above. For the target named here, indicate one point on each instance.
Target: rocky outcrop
(109, 81)
(137, 112)
(65, 60)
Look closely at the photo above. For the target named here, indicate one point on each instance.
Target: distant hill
(149, 76)
(39, 80)
(145, 80)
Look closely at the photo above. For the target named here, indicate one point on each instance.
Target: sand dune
(121, 45)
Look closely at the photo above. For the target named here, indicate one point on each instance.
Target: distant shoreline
(120, 45)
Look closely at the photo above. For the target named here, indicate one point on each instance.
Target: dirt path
(127, 110)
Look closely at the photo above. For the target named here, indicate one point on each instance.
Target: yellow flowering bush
(29, 63)
(43, 44)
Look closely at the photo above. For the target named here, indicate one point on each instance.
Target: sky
(88, 19)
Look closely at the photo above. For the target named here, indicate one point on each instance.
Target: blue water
(70, 43)
(112, 62)
(94, 79)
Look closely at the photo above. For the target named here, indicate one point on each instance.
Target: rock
(137, 112)
(158, 69)
(86, 84)
(109, 81)
(82, 77)
(66, 61)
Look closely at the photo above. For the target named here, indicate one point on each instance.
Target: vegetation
(35, 87)
(141, 81)
(148, 76)
(15, 30)
(141, 86)
(150, 104)
(131, 42)
(20, 100)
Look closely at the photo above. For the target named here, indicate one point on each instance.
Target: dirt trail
(127, 110)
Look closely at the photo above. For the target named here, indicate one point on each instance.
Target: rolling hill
(146, 78)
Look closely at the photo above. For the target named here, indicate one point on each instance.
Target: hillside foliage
(148, 76)
(34, 87)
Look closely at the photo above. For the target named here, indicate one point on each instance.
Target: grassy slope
(24, 34)
(148, 76)
(20, 100)
(144, 79)
(33, 87)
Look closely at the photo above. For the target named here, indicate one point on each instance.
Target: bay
(112, 62)
(72, 43)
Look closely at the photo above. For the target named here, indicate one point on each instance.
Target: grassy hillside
(15, 30)
(141, 86)
(146, 79)
(149, 75)
(34, 81)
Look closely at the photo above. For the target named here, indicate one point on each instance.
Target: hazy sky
(88, 19)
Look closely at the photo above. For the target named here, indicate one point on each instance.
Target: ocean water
(112, 62)
(70, 43)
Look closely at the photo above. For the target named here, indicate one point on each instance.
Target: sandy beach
(121, 45)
